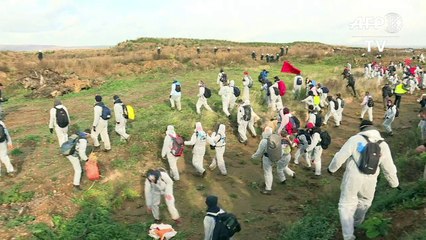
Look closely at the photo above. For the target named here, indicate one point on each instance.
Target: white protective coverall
(268, 164)
(242, 124)
(153, 192)
(303, 145)
(61, 133)
(120, 120)
(225, 92)
(332, 112)
(357, 188)
(199, 139)
(246, 89)
(276, 101)
(202, 101)
(297, 88)
(101, 126)
(339, 110)
(219, 139)
(175, 96)
(166, 152)
(232, 98)
(79, 154)
(389, 118)
(209, 224)
(366, 108)
(314, 151)
(3, 150)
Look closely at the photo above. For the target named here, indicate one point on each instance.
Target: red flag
(288, 68)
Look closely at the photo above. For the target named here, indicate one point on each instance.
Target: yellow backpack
(129, 112)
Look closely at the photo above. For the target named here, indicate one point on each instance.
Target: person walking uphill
(171, 142)
(202, 99)
(175, 95)
(158, 183)
(367, 106)
(225, 92)
(59, 120)
(245, 118)
(199, 139)
(100, 124)
(5, 144)
(389, 117)
(120, 120)
(358, 187)
(314, 150)
(219, 140)
(77, 155)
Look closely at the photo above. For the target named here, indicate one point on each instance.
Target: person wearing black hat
(158, 183)
(80, 153)
(213, 210)
(100, 124)
(357, 189)
(59, 120)
(120, 120)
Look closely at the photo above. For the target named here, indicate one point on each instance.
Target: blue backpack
(106, 112)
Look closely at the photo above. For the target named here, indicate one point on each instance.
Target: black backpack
(224, 78)
(336, 105)
(370, 102)
(207, 93)
(325, 139)
(226, 226)
(177, 87)
(276, 91)
(318, 120)
(325, 90)
(61, 117)
(306, 134)
(370, 157)
(299, 81)
(247, 113)
(237, 92)
(125, 112)
(296, 121)
(3, 136)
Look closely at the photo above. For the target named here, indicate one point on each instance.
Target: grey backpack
(274, 148)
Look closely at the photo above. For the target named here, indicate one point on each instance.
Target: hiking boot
(336, 126)
(283, 182)
(391, 134)
(77, 188)
(106, 150)
(265, 192)
(203, 175)
(245, 142)
(157, 221)
(294, 175)
(128, 138)
(96, 148)
(11, 174)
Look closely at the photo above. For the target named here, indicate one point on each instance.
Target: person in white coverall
(314, 149)
(4, 146)
(159, 183)
(244, 123)
(79, 154)
(225, 92)
(366, 108)
(332, 112)
(246, 89)
(219, 140)
(100, 126)
(268, 164)
(297, 88)
(303, 145)
(175, 96)
(166, 152)
(61, 132)
(202, 101)
(357, 188)
(390, 115)
(339, 112)
(282, 164)
(283, 119)
(199, 139)
(120, 120)
(219, 77)
(276, 101)
(232, 98)
(213, 210)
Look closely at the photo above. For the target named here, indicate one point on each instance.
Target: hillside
(39, 202)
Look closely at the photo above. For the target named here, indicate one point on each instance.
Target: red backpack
(282, 87)
(177, 146)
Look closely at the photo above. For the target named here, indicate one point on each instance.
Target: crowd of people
(306, 138)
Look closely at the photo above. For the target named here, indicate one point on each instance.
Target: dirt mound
(49, 83)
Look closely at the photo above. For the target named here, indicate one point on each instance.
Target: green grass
(15, 195)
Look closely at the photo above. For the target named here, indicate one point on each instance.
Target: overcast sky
(107, 22)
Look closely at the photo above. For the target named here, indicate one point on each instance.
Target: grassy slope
(148, 93)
